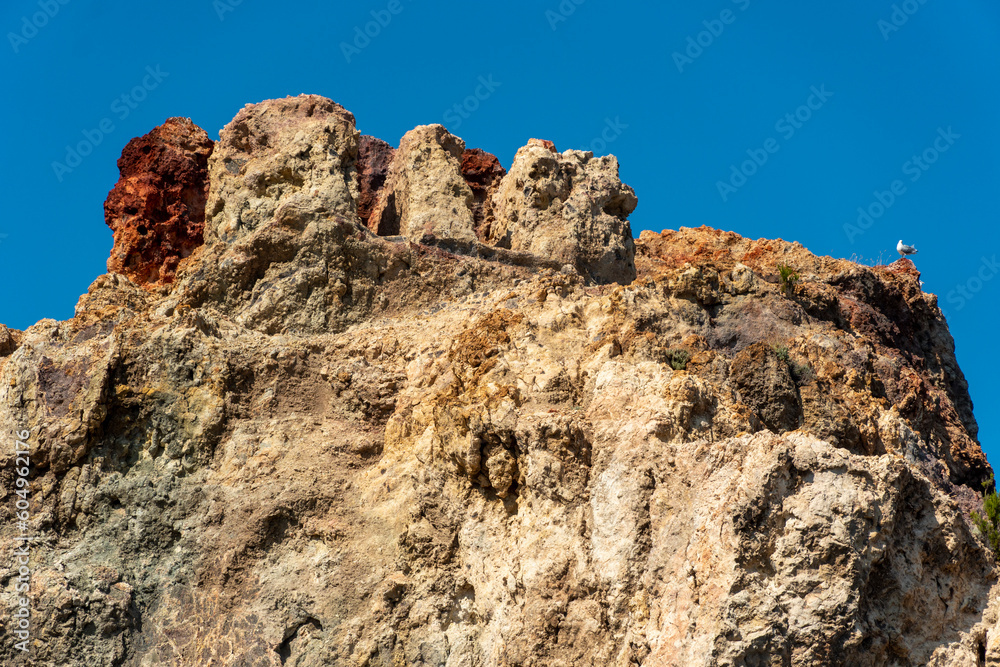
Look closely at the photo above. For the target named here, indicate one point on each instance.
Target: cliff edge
(342, 403)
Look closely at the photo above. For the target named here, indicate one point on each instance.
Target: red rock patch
(157, 208)
(374, 158)
(482, 171)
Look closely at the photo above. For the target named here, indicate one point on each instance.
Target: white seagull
(904, 249)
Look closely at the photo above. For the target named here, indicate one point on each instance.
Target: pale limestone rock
(569, 206)
(282, 161)
(425, 193)
(743, 280)
(281, 217)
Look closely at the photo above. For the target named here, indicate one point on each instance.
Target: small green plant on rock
(988, 522)
(801, 373)
(678, 359)
(788, 278)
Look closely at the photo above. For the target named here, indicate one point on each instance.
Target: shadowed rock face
(483, 173)
(323, 446)
(157, 208)
(374, 158)
(766, 384)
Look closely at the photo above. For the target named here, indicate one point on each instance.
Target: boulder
(569, 206)
(157, 208)
(426, 194)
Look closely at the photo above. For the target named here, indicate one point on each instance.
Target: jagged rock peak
(157, 208)
(289, 162)
(569, 206)
(425, 195)
(282, 161)
(442, 440)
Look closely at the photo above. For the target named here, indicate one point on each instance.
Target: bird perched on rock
(904, 249)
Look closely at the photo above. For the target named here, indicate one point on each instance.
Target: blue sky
(882, 96)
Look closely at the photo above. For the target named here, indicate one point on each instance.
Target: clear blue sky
(557, 70)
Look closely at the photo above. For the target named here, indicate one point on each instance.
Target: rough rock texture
(374, 158)
(10, 340)
(427, 168)
(282, 220)
(764, 381)
(570, 206)
(477, 462)
(425, 194)
(906, 359)
(157, 208)
(286, 161)
(483, 173)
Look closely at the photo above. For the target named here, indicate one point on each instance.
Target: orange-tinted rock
(482, 171)
(544, 143)
(374, 158)
(157, 208)
(907, 354)
(905, 266)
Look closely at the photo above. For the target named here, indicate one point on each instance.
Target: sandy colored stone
(328, 447)
(425, 193)
(9, 340)
(287, 160)
(281, 217)
(569, 206)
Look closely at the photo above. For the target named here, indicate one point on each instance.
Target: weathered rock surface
(483, 173)
(374, 158)
(426, 194)
(764, 381)
(10, 339)
(458, 460)
(282, 220)
(287, 160)
(570, 206)
(157, 208)
(907, 359)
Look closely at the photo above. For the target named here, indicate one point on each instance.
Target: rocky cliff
(339, 403)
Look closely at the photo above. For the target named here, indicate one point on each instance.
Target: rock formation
(157, 209)
(374, 158)
(483, 173)
(288, 161)
(324, 445)
(569, 206)
(426, 194)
